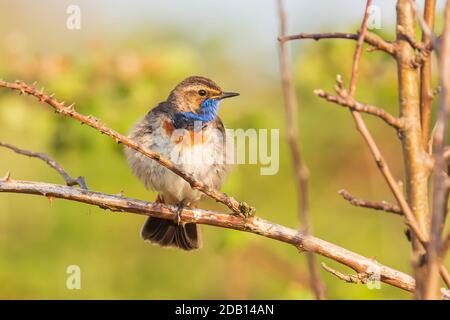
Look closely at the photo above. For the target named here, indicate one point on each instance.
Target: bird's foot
(245, 211)
(180, 207)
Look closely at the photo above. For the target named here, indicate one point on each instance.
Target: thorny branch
(308, 243)
(230, 202)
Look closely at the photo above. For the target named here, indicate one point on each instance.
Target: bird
(187, 130)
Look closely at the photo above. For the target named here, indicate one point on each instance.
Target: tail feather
(168, 233)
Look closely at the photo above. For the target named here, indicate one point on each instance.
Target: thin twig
(51, 162)
(230, 202)
(300, 169)
(358, 49)
(255, 225)
(345, 277)
(370, 38)
(361, 107)
(376, 205)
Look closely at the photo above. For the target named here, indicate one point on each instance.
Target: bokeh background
(123, 61)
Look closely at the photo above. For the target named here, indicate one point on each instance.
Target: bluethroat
(187, 130)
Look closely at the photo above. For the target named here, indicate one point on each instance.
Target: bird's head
(198, 98)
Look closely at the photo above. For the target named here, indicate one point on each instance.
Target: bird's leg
(180, 207)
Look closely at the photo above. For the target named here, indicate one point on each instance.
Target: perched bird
(187, 130)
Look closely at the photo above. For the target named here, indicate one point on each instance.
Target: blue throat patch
(208, 112)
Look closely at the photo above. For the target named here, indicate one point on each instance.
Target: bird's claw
(179, 211)
(240, 215)
(245, 211)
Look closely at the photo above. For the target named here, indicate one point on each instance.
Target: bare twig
(52, 163)
(301, 171)
(361, 107)
(253, 225)
(345, 277)
(376, 205)
(439, 185)
(230, 202)
(358, 49)
(370, 38)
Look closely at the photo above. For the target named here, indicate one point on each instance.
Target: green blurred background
(123, 61)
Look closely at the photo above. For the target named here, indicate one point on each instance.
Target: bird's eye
(202, 92)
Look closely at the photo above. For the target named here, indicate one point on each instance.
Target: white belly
(204, 159)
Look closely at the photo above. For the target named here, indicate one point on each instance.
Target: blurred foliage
(119, 83)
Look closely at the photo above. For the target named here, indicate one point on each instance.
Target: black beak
(225, 95)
